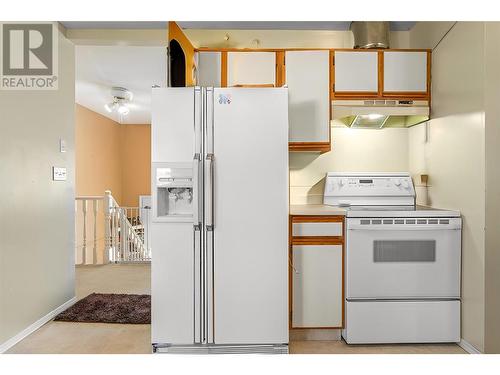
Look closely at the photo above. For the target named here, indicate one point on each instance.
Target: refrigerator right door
(250, 215)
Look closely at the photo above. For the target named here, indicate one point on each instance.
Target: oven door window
(404, 251)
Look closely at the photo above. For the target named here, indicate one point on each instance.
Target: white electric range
(402, 263)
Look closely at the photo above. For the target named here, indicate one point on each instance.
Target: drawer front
(317, 229)
(391, 322)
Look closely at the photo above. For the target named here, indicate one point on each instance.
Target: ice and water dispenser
(173, 192)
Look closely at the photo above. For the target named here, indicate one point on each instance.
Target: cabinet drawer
(317, 229)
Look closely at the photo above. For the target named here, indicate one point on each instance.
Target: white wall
(492, 136)
(36, 214)
(353, 150)
(282, 38)
(454, 154)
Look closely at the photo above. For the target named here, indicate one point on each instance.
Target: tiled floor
(64, 337)
(340, 347)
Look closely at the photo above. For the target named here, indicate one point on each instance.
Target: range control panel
(369, 189)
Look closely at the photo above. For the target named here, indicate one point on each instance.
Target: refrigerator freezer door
(172, 133)
(172, 283)
(177, 305)
(250, 216)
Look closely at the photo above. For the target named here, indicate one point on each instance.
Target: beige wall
(98, 155)
(492, 240)
(353, 150)
(136, 163)
(282, 38)
(36, 213)
(112, 156)
(453, 155)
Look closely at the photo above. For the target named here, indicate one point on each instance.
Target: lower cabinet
(316, 286)
(316, 278)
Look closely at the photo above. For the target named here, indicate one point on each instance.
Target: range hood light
(370, 121)
(378, 114)
(374, 116)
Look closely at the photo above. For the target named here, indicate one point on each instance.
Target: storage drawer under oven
(397, 261)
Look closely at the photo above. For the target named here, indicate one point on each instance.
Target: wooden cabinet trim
(280, 69)
(320, 147)
(223, 67)
(317, 240)
(383, 49)
(317, 218)
(380, 72)
(299, 328)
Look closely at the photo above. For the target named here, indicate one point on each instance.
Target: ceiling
(98, 68)
(230, 25)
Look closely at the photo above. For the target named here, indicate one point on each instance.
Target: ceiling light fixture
(121, 99)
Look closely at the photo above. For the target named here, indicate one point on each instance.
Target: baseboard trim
(33, 327)
(468, 347)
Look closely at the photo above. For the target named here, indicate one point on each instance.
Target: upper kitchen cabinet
(307, 77)
(406, 72)
(355, 72)
(254, 69)
(380, 74)
(209, 69)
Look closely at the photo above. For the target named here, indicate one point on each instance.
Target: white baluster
(94, 252)
(84, 241)
(108, 230)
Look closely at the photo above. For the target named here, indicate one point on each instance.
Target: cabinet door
(356, 71)
(317, 286)
(209, 69)
(251, 68)
(405, 71)
(307, 79)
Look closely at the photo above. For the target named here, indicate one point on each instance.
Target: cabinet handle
(293, 267)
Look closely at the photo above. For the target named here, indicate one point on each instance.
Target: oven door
(398, 258)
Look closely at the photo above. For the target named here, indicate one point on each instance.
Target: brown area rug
(110, 308)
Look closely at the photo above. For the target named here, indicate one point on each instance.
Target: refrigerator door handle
(209, 121)
(209, 181)
(198, 289)
(196, 192)
(198, 120)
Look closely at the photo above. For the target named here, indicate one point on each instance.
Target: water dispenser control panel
(173, 192)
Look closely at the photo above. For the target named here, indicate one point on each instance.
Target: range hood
(378, 114)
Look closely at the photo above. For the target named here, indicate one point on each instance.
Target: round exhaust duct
(372, 34)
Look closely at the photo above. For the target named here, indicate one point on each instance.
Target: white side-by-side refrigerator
(219, 230)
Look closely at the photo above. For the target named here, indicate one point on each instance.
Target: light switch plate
(62, 145)
(58, 174)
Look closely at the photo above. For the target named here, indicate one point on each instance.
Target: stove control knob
(406, 185)
(342, 182)
(397, 182)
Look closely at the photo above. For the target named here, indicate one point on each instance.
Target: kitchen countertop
(316, 210)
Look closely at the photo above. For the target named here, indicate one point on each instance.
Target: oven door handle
(390, 228)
